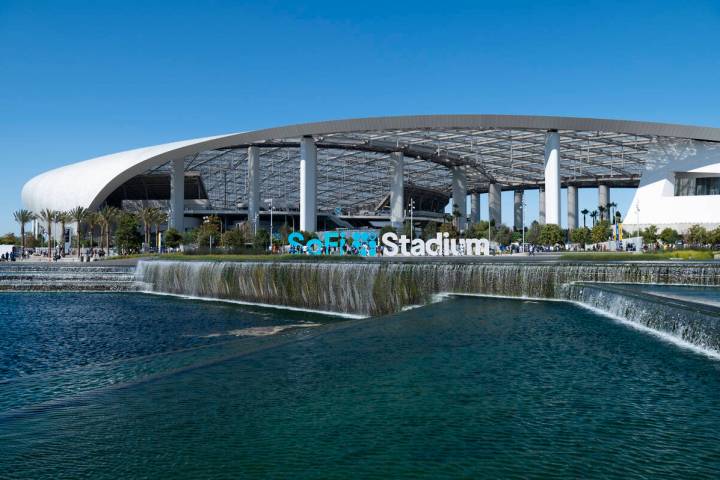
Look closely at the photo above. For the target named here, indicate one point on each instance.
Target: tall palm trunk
(49, 227)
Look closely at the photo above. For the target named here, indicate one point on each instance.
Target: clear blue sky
(81, 79)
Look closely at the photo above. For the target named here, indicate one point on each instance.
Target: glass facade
(689, 186)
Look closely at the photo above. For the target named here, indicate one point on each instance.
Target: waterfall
(59, 277)
(690, 322)
(376, 288)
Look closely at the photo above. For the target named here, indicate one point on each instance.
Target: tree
(533, 234)
(63, 218)
(107, 216)
(234, 238)
(582, 236)
(284, 231)
(172, 238)
(48, 216)
(669, 236)
(478, 230)
(601, 210)
(9, 239)
(159, 217)
(430, 230)
(584, 212)
(92, 220)
(714, 236)
(551, 234)
(262, 239)
(127, 237)
(386, 229)
(23, 217)
(502, 234)
(449, 228)
(78, 215)
(600, 232)
(594, 215)
(650, 235)
(209, 229)
(146, 216)
(697, 235)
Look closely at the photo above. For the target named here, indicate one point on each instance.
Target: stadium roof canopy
(353, 159)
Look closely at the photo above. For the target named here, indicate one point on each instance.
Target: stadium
(371, 172)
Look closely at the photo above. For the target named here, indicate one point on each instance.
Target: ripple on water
(470, 387)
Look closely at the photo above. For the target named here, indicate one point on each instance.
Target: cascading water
(694, 323)
(58, 277)
(374, 288)
(377, 288)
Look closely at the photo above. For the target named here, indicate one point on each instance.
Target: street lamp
(411, 206)
(522, 209)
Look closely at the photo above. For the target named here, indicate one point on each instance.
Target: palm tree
(63, 218)
(594, 215)
(78, 215)
(91, 220)
(610, 207)
(584, 212)
(601, 210)
(146, 216)
(23, 217)
(107, 216)
(159, 218)
(48, 216)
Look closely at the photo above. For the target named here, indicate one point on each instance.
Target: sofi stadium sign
(366, 243)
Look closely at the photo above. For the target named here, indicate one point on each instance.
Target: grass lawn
(629, 256)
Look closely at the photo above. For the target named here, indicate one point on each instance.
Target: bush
(262, 239)
(669, 235)
(172, 238)
(234, 239)
(600, 232)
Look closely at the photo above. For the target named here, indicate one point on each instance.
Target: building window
(707, 186)
(687, 185)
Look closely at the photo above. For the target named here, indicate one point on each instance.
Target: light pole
(411, 206)
(522, 210)
(637, 223)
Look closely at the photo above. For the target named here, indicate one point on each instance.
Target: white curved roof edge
(88, 183)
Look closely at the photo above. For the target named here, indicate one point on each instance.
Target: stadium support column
(572, 208)
(518, 210)
(177, 195)
(604, 199)
(397, 190)
(541, 206)
(459, 193)
(308, 185)
(495, 203)
(552, 177)
(253, 194)
(475, 207)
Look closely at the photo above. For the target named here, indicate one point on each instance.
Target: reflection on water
(464, 388)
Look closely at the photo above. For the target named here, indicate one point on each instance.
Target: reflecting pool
(128, 385)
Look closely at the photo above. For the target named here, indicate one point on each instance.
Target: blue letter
(295, 239)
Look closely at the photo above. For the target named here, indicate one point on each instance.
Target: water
(22, 276)
(464, 388)
(377, 288)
